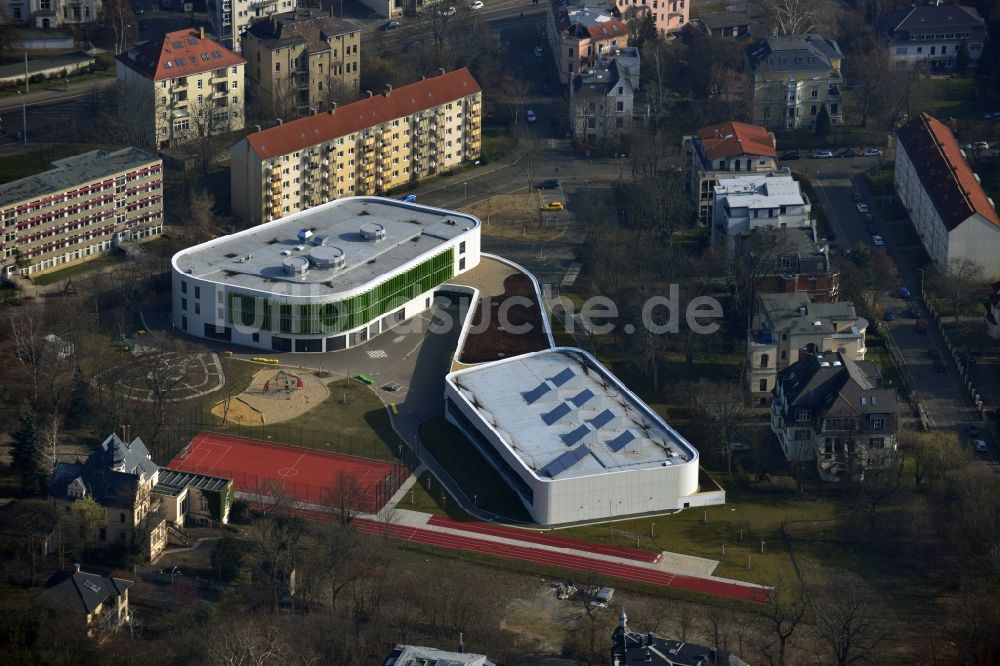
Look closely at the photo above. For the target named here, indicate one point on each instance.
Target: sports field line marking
(293, 466)
(221, 458)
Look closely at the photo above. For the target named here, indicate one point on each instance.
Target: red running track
(566, 561)
(306, 474)
(545, 539)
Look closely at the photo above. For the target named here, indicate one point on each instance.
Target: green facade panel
(259, 313)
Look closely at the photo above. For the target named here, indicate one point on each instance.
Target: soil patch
(514, 216)
(500, 329)
(274, 395)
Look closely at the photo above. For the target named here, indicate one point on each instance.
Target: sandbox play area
(274, 395)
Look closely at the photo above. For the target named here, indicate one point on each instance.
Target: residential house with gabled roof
(367, 147)
(669, 16)
(731, 25)
(601, 106)
(649, 649)
(933, 35)
(579, 33)
(418, 655)
(182, 86)
(792, 78)
(143, 502)
(785, 326)
(100, 601)
(799, 263)
(301, 62)
(952, 215)
(838, 412)
(721, 150)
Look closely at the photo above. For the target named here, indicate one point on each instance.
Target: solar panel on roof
(561, 410)
(534, 394)
(602, 419)
(574, 436)
(564, 376)
(92, 586)
(621, 441)
(582, 397)
(565, 461)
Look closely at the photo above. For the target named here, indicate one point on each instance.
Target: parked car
(530, 115)
(738, 448)
(904, 292)
(981, 446)
(867, 217)
(862, 207)
(823, 155)
(878, 240)
(539, 52)
(873, 152)
(477, 5)
(409, 198)
(890, 315)
(391, 25)
(939, 365)
(912, 313)
(549, 184)
(553, 205)
(850, 152)
(794, 155)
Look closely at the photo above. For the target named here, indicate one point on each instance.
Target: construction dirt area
(274, 395)
(515, 216)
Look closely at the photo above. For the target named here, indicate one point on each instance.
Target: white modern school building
(572, 441)
(324, 279)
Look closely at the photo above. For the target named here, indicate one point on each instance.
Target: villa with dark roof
(836, 411)
(952, 215)
(933, 35)
(100, 601)
(143, 502)
(182, 86)
(720, 150)
(579, 33)
(792, 78)
(601, 103)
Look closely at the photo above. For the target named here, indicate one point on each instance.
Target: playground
(274, 395)
(150, 374)
(315, 477)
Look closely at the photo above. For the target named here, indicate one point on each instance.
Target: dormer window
(802, 415)
(878, 423)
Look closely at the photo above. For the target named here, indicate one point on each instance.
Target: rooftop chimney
(76, 567)
(201, 32)
(388, 89)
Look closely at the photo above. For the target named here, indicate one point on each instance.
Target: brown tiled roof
(299, 27)
(728, 139)
(364, 113)
(179, 53)
(944, 173)
(608, 29)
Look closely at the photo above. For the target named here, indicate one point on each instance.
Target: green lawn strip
(758, 513)
(890, 373)
(950, 96)
(84, 267)
(467, 467)
(27, 164)
(429, 496)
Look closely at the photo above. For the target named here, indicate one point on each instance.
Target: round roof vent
(372, 231)
(295, 265)
(328, 257)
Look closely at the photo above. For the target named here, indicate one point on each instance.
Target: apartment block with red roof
(183, 86)
(367, 147)
(668, 15)
(579, 34)
(951, 213)
(722, 150)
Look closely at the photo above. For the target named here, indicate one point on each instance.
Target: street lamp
(24, 116)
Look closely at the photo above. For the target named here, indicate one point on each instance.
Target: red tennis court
(306, 474)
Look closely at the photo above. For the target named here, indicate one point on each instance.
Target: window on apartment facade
(878, 423)
(833, 109)
(812, 110)
(621, 106)
(763, 385)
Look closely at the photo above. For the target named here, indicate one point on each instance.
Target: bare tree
(721, 409)
(958, 284)
(849, 621)
(935, 453)
(121, 21)
(346, 496)
(782, 612)
(248, 641)
(792, 17)
(27, 335)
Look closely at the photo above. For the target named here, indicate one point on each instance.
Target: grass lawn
(85, 267)
(945, 97)
(513, 216)
(351, 420)
(881, 181)
(27, 164)
(429, 496)
(890, 373)
(470, 470)
(915, 256)
(758, 512)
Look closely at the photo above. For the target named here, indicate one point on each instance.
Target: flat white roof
(565, 415)
(761, 190)
(314, 241)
